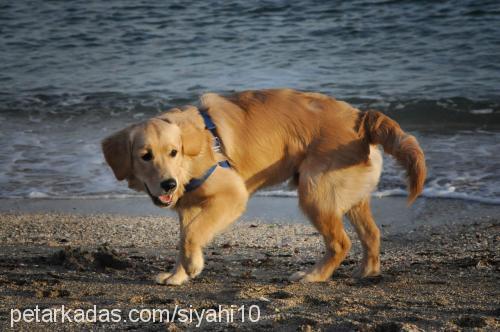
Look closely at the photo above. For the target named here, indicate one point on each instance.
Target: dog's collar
(194, 183)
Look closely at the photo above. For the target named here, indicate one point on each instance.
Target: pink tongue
(165, 198)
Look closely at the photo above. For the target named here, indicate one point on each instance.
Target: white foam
(390, 192)
(436, 193)
(37, 194)
(428, 192)
(277, 193)
(35, 120)
(482, 111)
(99, 196)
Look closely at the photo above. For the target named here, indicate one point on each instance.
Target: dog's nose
(169, 184)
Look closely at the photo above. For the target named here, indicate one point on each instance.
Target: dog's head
(155, 156)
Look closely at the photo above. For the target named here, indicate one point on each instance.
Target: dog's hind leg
(362, 220)
(326, 216)
(325, 195)
(337, 245)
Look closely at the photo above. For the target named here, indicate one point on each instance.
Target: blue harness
(194, 183)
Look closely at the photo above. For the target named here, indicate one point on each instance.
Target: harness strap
(210, 125)
(194, 183)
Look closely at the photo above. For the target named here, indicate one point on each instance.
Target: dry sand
(440, 271)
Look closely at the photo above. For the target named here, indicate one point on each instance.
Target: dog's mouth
(164, 200)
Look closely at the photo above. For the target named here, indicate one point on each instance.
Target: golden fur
(325, 147)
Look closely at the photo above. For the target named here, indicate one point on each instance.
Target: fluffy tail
(378, 128)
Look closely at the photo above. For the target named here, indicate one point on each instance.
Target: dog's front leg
(218, 212)
(178, 275)
(225, 200)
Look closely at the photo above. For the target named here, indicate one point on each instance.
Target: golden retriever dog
(325, 147)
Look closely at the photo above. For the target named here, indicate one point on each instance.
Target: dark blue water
(423, 49)
(72, 71)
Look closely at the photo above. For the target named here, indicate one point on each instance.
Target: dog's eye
(173, 153)
(147, 156)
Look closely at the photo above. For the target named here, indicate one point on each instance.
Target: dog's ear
(117, 152)
(193, 138)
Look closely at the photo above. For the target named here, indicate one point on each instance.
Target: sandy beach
(439, 259)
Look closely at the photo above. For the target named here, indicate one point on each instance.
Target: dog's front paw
(160, 278)
(168, 278)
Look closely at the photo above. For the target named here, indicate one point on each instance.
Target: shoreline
(391, 214)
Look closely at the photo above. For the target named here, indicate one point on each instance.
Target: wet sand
(440, 265)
